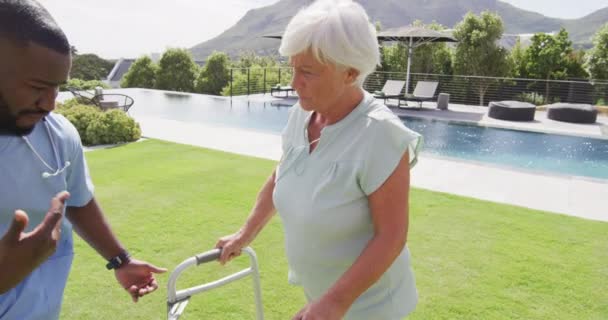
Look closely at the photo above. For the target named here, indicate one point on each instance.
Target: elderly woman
(341, 187)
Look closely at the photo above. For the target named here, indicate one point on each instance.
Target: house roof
(120, 68)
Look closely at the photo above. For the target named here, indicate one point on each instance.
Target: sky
(130, 28)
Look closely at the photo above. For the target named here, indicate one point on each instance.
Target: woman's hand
(231, 246)
(262, 211)
(323, 309)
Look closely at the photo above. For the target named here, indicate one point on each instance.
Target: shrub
(80, 116)
(98, 127)
(113, 126)
(68, 104)
(531, 97)
(79, 84)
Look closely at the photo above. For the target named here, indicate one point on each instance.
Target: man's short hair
(26, 21)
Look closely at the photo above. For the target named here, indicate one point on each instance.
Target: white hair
(336, 31)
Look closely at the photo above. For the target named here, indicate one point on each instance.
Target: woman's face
(318, 85)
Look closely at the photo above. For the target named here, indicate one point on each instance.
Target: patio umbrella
(413, 37)
(274, 36)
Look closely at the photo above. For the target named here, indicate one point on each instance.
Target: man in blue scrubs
(45, 188)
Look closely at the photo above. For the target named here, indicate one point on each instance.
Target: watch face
(118, 261)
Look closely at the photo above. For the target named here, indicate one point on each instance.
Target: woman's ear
(351, 76)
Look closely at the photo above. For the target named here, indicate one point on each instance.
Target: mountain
(583, 29)
(247, 33)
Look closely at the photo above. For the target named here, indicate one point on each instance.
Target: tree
(547, 57)
(517, 60)
(215, 75)
(426, 58)
(597, 58)
(431, 57)
(141, 74)
(248, 59)
(90, 67)
(394, 58)
(442, 59)
(378, 26)
(575, 64)
(81, 85)
(477, 52)
(177, 71)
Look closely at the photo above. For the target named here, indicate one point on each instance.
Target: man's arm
(90, 224)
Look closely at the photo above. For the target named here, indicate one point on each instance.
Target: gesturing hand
(21, 252)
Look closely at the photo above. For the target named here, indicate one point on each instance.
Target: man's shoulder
(63, 127)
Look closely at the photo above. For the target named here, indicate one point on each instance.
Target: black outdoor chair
(104, 101)
(280, 88)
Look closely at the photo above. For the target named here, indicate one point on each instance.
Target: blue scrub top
(22, 186)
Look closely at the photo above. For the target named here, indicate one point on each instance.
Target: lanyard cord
(29, 144)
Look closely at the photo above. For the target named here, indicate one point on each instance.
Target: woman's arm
(261, 213)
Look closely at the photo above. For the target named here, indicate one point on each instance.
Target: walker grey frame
(177, 300)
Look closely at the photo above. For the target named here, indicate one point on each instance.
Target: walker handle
(208, 256)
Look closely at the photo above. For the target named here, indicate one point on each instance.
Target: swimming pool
(549, 153)
(527, 150)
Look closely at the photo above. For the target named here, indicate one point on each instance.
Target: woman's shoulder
(295, 122)
(379, 115)
(383, 122)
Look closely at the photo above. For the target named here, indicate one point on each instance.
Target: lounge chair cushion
(511, 110)
(570, 112)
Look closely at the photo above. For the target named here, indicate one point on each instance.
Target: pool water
(528, 150)
(549, 153)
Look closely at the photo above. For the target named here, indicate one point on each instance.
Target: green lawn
(472, 259)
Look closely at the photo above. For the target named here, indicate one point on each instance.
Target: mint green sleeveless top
(322, 201)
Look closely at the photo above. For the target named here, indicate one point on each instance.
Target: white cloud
(118, 28)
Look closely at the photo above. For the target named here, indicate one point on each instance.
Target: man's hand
(20, 252)
(137, 277)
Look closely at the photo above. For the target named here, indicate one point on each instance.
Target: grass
(472, 259)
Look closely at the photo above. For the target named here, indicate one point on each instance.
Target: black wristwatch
(119, 261)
